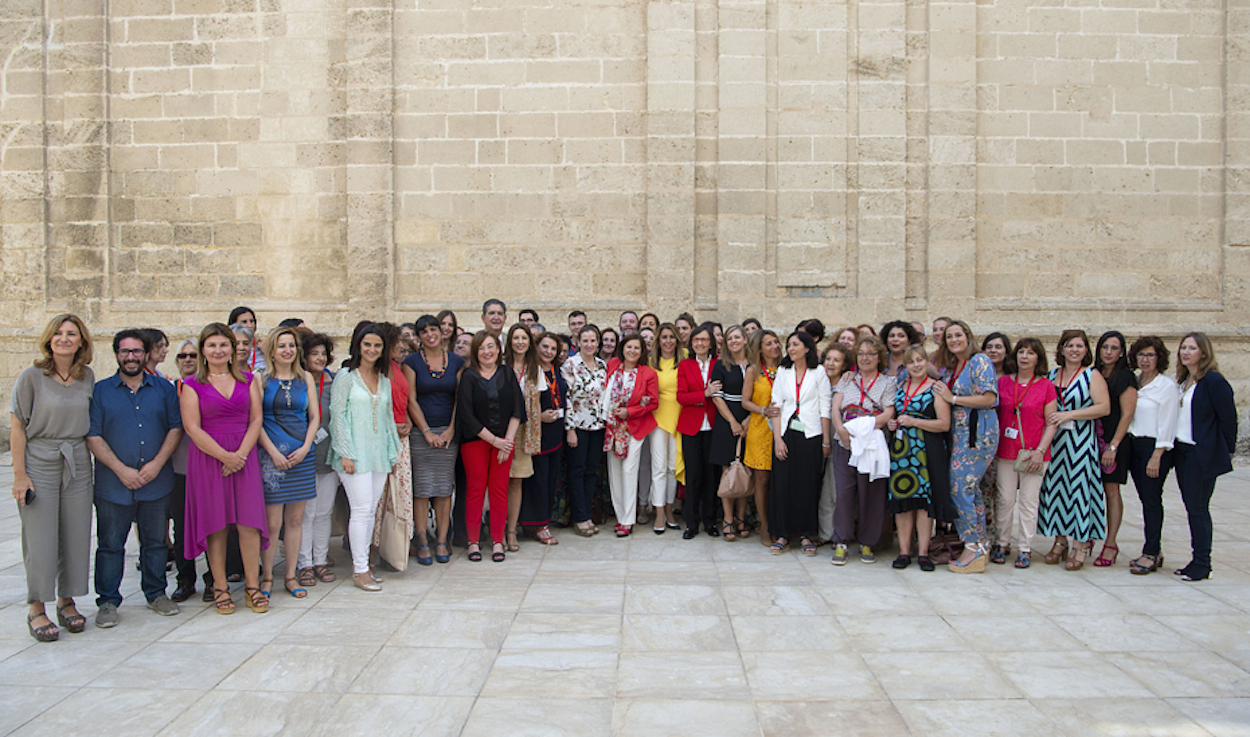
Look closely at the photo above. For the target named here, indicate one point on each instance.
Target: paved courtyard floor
(659, 636)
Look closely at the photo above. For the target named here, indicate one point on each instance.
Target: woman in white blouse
(1151, 435)
(802, 440)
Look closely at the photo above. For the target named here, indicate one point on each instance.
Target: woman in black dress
(731, 422)
(1111, 358)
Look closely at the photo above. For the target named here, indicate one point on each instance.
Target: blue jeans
(112, 528)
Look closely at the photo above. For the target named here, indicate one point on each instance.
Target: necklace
(1185, 387)
(435, 374)
(64, 379)
(285, 386)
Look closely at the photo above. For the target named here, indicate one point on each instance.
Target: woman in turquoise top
(365, 444)
(970, 385)
(288, 465)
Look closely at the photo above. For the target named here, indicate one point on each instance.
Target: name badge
(797, 424)
(320, 436)
(560, 414)
(1070, 424)
(899, 433)
(1011, 433)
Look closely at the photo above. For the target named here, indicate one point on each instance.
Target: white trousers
(663, 461)
(364, 491)
(1017, 492)
(623, 482)
(318, 514)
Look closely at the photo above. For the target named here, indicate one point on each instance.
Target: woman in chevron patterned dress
(1072, 503)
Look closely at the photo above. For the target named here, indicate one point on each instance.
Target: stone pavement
(660, 636)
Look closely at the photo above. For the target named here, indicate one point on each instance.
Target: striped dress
(285, 411)
(1072, 501)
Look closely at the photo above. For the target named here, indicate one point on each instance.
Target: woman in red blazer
(695, 390)
(630, 396)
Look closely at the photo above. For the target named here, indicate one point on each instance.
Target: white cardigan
(815, 399)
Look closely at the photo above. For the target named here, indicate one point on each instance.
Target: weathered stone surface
(1027, 166)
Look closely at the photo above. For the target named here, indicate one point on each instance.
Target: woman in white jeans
(314, 563)
(364, 442)
(663, 439)
(1026, 399)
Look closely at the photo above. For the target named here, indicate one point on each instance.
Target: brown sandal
(323, 573)
(1077, 558)
(307, 577)
(257, 600)
(224, 606)
(1057, 553)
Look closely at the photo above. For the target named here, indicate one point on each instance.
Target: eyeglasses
(867, 355)
(1151, 356)
(183, 356)
(130, 352)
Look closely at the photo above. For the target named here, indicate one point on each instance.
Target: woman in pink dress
(222, 416)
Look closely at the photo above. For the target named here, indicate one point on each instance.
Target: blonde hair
(271, 349)
(1207, 363)
(201, 362)
(727, 360)
(915, 349)
(82, 356)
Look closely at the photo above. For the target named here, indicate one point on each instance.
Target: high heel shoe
(511, 544)
(976, 565)
(1103, 561)
(1057, 553)
(1076, 559)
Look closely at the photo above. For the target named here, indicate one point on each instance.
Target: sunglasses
(182, 356)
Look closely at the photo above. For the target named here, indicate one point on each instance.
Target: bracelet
(425, 431)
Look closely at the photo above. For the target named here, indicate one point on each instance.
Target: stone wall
(1025, 165)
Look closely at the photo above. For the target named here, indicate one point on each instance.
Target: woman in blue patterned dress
(1072, 503)
(288, 466)
(971, 386)
(919, 472)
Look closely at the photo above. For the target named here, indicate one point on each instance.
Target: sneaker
(865, 555)
(839, 555)
(107, 617)
(162, 606)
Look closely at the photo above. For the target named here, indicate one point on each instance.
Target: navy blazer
(1215, 425)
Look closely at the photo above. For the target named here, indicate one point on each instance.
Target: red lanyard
(798, 385)
(1021, 397)
(1063, 389)
(908, 394)
(959, 369)
(321, 382)
(251, 359)
(768, 375)
(864, 392)
(555, 388)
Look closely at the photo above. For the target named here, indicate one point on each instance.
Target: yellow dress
(759, 449)
(668, 410)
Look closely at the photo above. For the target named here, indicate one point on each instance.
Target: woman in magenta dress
(222, 416)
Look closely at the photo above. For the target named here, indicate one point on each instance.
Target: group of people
(973, 448)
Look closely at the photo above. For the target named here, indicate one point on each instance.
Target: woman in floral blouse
(585, 373)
